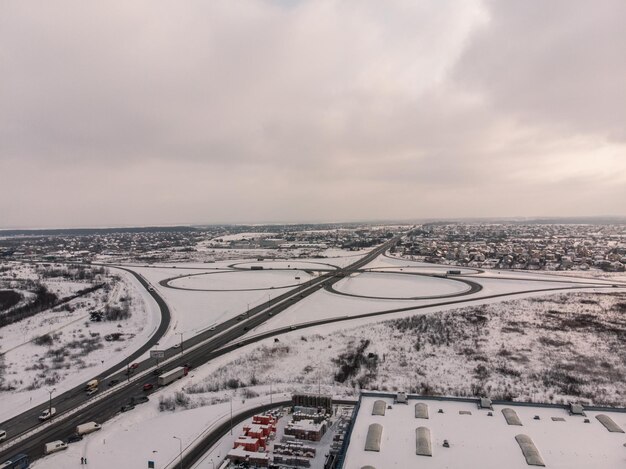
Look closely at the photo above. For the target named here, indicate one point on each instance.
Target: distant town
(518, 246)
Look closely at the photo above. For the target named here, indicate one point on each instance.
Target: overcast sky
(163, 112)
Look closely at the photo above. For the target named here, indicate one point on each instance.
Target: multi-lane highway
(75, 407)
(196, 351)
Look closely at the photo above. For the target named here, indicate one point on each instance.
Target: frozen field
(239, 280)
(289, 264)
(553, 348)
(397, 285)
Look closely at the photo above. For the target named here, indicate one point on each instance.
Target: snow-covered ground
(398, 285)
(308, 359)
(194, 310)
(77, 350)
(499, 349)
(293, 264)
(326, 305)
(235, 280)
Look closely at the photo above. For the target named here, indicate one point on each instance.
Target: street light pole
(231, 415)
(50, 402)
(180, 444)
(181, 342)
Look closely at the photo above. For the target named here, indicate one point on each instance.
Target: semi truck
(86, 428)
(170, 376)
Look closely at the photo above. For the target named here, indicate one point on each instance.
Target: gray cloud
(155, 112)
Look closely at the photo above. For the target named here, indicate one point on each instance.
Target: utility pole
(50, 402)
(231, 414)
(181, 341)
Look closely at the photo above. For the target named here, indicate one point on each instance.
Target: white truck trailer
(170, 376)
(86, 428)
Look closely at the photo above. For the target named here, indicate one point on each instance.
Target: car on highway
(139, 399)
(212, 328)
(3, 435)
(113, 382)
(134, 366)
(148, 386)
(47, 413)
(157, 371)
(92, 391)
(176, 345)
(73, 438)
(293, 328)
(127, 407)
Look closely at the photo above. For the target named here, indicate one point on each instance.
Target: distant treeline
(96, 231)
(44, 299)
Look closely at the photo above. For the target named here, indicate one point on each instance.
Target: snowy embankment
(62, 349)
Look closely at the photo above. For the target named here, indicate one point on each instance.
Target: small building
(249, 443)
(306, 430)
(256, 458)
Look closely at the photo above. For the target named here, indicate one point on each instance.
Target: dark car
(134, 366)
(139, 399)
(127, 407)
(157, 372)
(113, 382)
(188, 366)
(74, 438)
(148, 386)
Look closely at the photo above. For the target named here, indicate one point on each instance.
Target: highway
(199, 350)
(74, 397)
(213, 344)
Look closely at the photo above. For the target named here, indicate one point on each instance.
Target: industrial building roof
(512, 436)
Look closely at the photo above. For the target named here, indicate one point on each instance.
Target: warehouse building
(390, 431)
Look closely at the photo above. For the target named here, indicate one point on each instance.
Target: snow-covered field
(62, 348)
(550, 349)
(234, 280)
(491, 346)
(398, 285)
(194, 310)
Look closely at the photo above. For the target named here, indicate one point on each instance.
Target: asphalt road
(74, 397)
(104, 409)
